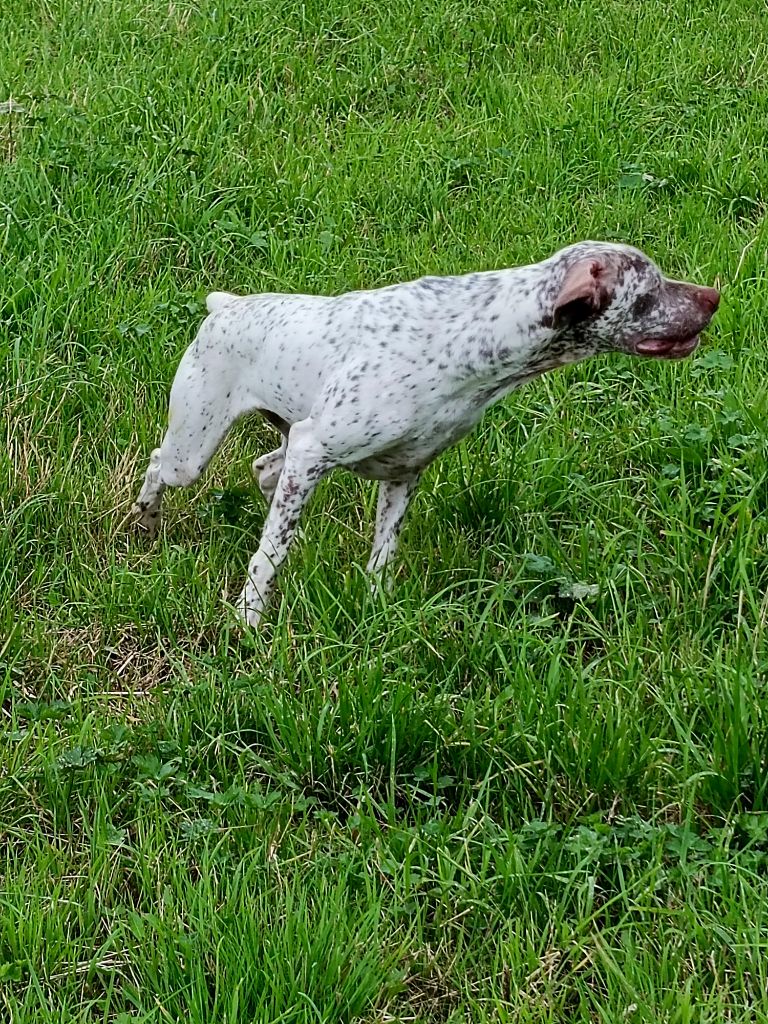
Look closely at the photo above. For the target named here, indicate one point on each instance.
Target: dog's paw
(248, 610)
(381, 581)
(148, 519)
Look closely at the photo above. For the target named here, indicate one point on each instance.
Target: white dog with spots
(382, 381)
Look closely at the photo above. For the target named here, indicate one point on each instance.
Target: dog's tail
(218, 300)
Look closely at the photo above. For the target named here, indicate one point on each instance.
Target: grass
(530, 785)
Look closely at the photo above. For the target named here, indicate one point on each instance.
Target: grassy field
(531, 785)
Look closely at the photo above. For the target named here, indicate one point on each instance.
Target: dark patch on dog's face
(642, 305)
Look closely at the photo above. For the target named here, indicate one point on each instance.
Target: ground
(530, 786)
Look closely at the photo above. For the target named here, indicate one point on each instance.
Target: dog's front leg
(305, 463)
(391, 506)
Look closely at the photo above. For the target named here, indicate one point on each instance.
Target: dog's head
(614, 298)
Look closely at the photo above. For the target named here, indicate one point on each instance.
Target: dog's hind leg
(146, 508)
(267, 469)
(391, 506)
(196, 427)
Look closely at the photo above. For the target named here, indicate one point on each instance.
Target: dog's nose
(710, 298)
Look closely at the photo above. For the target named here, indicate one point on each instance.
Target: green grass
(485, 798)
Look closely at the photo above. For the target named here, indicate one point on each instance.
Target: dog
(382, 381)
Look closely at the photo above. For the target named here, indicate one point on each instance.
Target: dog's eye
(643, 304)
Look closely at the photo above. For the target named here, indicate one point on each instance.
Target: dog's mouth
(667, 348)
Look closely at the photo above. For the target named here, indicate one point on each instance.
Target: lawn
(529, 786)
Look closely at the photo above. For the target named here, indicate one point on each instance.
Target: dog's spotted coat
(382, 381)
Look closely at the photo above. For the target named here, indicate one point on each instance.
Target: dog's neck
(512, 337)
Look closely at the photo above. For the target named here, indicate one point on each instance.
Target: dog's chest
(414, 452)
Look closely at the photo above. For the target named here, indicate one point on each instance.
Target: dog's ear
(587, 290)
